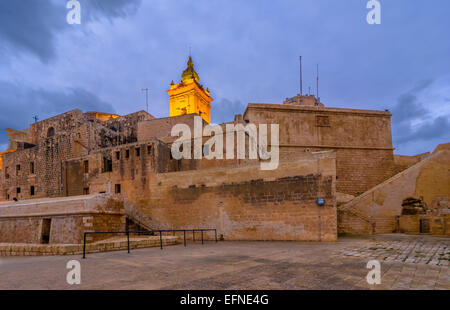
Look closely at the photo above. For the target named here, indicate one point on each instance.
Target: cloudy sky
(244, 50)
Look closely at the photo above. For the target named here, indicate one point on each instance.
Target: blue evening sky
(244, 50)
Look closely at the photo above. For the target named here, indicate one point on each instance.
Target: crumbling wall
(127, 126)
(17, 136)
(61, 124)
(58, 139)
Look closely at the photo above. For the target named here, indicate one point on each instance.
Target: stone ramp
(375, 211)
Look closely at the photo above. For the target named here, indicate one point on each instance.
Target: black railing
(148, 232)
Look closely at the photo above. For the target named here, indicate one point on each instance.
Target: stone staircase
(376, 224)
(139, 220)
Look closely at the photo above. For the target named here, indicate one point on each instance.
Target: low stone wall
(409, 224)
(437, 225)
(67, 219)
(15, 249)
(440, 225)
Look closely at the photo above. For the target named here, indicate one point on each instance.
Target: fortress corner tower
(189, 97)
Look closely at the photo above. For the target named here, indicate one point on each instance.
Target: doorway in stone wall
(424, 226)
(45, 232)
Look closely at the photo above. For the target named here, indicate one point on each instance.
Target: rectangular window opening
(107, 165)
(118, 189)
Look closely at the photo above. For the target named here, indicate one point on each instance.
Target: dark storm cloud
(96, 9)
(245, 50)
(438, 128)
(409, 110)
(24, 103)
(224, 110)
(31, 26)
(408, 106)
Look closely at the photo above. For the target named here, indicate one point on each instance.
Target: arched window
(50, 132)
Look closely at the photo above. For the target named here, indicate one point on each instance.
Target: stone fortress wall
(247, 203)
(361, 139)
(324, 152)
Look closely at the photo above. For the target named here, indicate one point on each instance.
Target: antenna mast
(317, 86)
(301, 77)
(146, 96)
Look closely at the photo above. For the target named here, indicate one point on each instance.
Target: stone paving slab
(238, 265)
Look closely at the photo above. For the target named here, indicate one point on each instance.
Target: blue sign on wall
(320, 201)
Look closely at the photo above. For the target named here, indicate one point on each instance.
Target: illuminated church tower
(189, 97)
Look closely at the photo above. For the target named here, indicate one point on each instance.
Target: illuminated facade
(189, 97)
(3, 153)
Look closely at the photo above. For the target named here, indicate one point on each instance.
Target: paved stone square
(424, 251)
(407, 262)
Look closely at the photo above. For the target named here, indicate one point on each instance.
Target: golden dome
(190, 73)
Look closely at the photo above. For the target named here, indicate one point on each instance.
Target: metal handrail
(148, 232)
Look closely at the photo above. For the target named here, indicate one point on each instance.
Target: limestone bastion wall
(247, 203)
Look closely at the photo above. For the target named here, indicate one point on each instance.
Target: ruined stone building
(89, 171)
